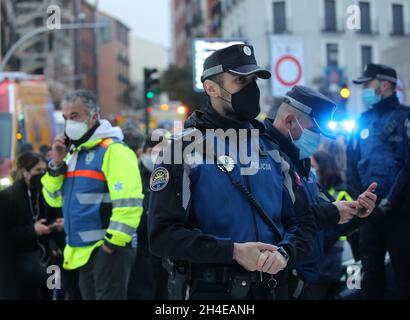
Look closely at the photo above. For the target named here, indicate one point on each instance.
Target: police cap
(377, 71)
(238, 60)
(315, 105)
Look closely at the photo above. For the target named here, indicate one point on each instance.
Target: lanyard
(35, 211)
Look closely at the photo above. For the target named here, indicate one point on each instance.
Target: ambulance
(26, 117)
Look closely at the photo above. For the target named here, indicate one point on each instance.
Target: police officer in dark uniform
(379, 151)
(298, 129)
(230, 230)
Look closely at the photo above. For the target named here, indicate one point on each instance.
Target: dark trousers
(206, 291)
(141, 284)
(105, 277)
(149, 280)
(161, 279)
(376, 238)
(238, 287)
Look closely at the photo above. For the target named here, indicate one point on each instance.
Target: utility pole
(77, 44)
(38, 31)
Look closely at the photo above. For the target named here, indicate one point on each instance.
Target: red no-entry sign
(288, 59)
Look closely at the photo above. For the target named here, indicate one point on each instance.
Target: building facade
(7, 25)
(113, 67)
(398, 58)
(86, 65)
(327, 39)
(145, 54)
(50, 53)
(193, 19)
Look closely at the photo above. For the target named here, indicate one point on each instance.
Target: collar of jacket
(102, 131)
(287, 147)
(387, 105)
(87, 136)
(210, 119)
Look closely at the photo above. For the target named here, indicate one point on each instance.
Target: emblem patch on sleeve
(159, 179)
(226, 163)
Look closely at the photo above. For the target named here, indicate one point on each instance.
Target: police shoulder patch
(365, 134)
(159, 179)
(183, 134)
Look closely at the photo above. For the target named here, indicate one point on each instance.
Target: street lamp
(35, 32)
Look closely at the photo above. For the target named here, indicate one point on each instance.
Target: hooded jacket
(101, 195)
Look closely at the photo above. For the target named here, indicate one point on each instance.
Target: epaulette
(185, 133)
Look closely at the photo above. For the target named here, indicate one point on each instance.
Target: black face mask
(246, 103)
(35, 181)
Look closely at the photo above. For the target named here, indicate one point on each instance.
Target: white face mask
(149, 161)
(76, 130)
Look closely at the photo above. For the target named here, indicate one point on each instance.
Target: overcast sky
(149, 19)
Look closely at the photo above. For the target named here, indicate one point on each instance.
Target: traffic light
(344, 96)
(182, 110)
(151, 82)
(345, 93)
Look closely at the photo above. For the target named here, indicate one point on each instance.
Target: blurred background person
(379, 150)
(34, 230)
(148, 279)
(25, 147)
(337, 148)
(46, 152)
(330, 179)
(329, 175)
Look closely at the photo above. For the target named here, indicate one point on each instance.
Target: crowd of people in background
(36, 235)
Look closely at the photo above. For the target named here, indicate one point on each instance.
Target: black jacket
(143, 226)
(175, 236)
(6, 267)
(326, 214)
(19, 218)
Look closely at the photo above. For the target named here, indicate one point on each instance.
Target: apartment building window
(398, 19)
(367, 55)
(365, 17)
(332, 54)
(279, 17)
(105, 34)
(122, 34)
(330, 15)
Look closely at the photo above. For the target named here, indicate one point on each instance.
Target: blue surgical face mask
(308, 143)
(370, 97)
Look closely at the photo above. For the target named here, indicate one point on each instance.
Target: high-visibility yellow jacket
(101, 195)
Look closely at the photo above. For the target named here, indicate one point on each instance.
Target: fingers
(370, 196)
(269, 263)
(59, 144)
(372, 188)
(351, 204)
(60, 139)
(366, 203)
(350, 210)
(263, 258)
(278, 264)
(273, 263)
(42, 221)
(265, 246)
